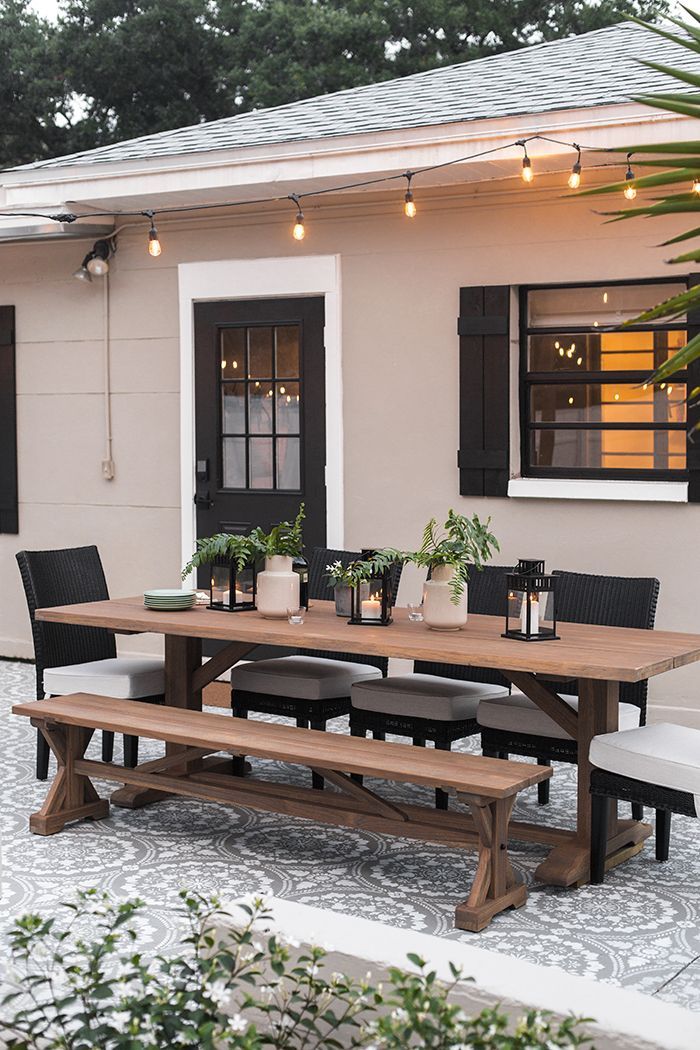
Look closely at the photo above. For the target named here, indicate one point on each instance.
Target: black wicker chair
(665, 761)
(613, 601)
(252, 683)
(69, 656)
(383, 707)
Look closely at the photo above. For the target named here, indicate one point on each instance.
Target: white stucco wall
(400, 289)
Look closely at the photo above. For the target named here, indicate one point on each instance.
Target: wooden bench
(488, 787)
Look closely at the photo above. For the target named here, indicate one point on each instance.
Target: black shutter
(9, 520)
(484, 390)
(693, 452)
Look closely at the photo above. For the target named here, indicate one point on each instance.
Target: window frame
(527, 379)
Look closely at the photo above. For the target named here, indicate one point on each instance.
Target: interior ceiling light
(95, 263)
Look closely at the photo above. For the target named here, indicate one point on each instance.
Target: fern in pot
(449, 554)
(278, 584)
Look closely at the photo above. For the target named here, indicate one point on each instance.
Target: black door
(260, 415)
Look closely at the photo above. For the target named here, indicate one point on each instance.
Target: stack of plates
(170, 600)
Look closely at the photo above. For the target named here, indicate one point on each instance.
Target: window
(586, 408)
(261, 407)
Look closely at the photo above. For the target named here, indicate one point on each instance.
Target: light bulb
(696, 186)
(299, 232)
(409, 206)
(82, 273)
(528, 174)
(630, 192)
(98, 266)
(630, 189)
(575, 176)
(154, 248)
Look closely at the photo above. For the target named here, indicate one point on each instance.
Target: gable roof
(595, 69)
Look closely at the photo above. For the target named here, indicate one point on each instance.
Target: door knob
(203, 501)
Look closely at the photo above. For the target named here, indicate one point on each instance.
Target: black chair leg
(543, 786)
(378, 734)
(131, 751)
(107, 745)
(637, 811)
(599, 837)
(42, 756)
(238, 761)
(317, 781)
(442, 799)
(663, 833)
(357, 731)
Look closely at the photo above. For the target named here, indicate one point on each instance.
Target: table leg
(183, 657)
(570, 864)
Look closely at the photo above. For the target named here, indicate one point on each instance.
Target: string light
(575, 176)
(630, 189)
(298, 231)
(696, 186)
(409, 205)
(527, 172)
(154, 247)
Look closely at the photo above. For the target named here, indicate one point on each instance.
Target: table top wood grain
(583, 650)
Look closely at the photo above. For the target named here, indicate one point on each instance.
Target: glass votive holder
(296, 615)
(415, 612)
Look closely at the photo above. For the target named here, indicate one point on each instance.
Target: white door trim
(262, 279)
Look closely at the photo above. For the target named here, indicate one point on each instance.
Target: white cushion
(518, 714)
(663, 754)
(123, 677)
(301, 677)
(423, 696)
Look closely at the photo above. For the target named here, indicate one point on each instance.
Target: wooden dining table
(599, 657)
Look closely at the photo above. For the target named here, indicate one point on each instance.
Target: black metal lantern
(301, 567)
(530, 605)
(370, 601)
(230, 588)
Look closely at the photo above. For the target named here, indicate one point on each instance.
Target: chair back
(320, 589)
(486, 596)
(64, 577)
(611, 601)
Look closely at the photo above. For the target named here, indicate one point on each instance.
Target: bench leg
(71, 795)
(495, 885)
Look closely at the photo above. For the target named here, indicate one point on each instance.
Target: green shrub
(84, 983)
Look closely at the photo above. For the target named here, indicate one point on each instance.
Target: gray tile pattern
(594, 69)
(640, 930)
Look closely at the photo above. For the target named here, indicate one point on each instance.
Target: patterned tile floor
(641, 930)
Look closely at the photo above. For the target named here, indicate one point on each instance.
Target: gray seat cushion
(517, 714)
(662, 754)
(423, 696)
(122, 677)
(301, 677)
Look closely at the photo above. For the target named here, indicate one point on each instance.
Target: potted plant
(448, 556)
(342, 578)
(278, 584)
(231, 561)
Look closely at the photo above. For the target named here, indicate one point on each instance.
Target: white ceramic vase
(277, 588)
(439, 611)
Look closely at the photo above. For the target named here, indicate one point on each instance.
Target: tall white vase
(278, 588)
(439, 611)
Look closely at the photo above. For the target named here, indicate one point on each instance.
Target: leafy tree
(34, 106)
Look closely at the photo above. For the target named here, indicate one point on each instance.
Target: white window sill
(642, 491)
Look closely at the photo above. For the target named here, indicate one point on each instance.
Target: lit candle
(534, 615)
(371, 609)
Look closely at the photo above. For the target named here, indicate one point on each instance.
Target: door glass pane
(260, 407)
(260, 353)
(232, 353)
(287, 408)
(609, 449)
(234, 463)
(288, 463)
(233, 413)
(287, 351)
(607, 403)
(260, 452)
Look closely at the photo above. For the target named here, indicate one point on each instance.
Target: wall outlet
(108, 469)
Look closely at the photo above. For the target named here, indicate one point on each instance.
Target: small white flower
(238, 1023)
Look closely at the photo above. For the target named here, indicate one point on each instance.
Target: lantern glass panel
(220, 586)
(371, 601)
(530, 603)
(245, 587)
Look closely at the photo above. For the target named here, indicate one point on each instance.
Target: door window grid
(586, 409)
(261, 400)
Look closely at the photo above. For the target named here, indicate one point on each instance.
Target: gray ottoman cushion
(423, 696)
(301, 677)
